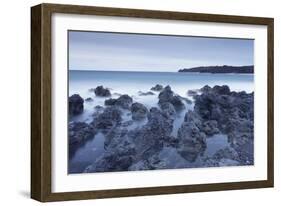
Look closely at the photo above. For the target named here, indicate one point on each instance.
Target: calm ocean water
(131, 83)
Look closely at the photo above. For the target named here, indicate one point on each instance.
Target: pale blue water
(131, 83)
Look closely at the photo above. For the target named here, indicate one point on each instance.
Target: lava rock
(145, 93)
(206, 89)
(167, 95)
(168, 109)
(233, 112)
(109, 118)
(210, 127)
(192, 93)
(119, 154)
(223, 157)
(79, 131)
(139, 111)
(78, 134)
(75, 105)
(110, 102)
(192, 116)
(124, 101)
(150, 138)
(127, 123)
(221, 89)
(192, 142)
(117, 159)
(157, 88)
(100, 91)
(89, 99)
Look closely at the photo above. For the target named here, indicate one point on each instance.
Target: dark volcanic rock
(78, 134)
(222, 105)
(221, 89)
(168, 109)
(177, 102)
(124, 101)
(100, 91)
(109, 118)
(139, 111)
(145, 93)
(210, 127)
(223, 157)
(192, 142)
(119, 153)
(114, 137)
(233, 112)
(79, 131)
(241, 137)
(192, 93)
(151, 137)
(127, 123)
(192, 116)
(89, 99)
(157, 87)
(228, 153)
(206, 88)
(75, 104)
(167, 95)
(98, 110)
(98, 107)
(118, 159)
(110, 102)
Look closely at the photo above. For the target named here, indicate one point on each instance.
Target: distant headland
(221, 69)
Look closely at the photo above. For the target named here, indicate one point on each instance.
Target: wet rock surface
(168, 96)
(157, 88)
(168, 109)
(78, 134)
(145, 93)
(233, 112)
(192, 93)
(192, 142)
(100, 91)
(119, 153)
(89, 99)
(108, 119)
(139, 111)
(75, 105)
(124, 101)
(224, 157)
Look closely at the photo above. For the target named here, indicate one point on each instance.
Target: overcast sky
(135, 52)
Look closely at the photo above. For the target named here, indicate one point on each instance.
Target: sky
(161, 53)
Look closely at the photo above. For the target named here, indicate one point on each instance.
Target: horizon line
(157, 71)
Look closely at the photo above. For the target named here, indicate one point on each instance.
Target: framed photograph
(130, 102)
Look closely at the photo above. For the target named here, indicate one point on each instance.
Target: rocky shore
(148, 139)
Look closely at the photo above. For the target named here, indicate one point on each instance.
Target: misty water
(132, 83)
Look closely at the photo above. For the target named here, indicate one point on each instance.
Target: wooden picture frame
(41, 98)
